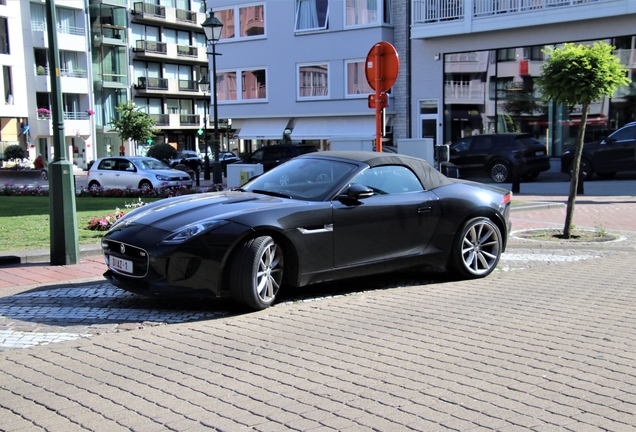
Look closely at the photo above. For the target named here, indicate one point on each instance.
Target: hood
(172, 213)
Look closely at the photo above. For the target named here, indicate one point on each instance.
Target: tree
(133, 123)
(580, 75)
(162, 151)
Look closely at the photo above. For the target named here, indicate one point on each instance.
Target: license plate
(540, 153)
(120, 264)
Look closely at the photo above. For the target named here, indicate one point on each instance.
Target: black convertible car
(319, 217)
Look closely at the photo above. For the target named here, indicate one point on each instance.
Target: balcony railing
(68, 115)
(64, 72)
(187, 51)
(152, 83)
(150, 47)
(427, 11)
(186, 16)
(149, 9)
(160, 119)
(458, 90)
(189, 119)
(72, 30)
(188, 85)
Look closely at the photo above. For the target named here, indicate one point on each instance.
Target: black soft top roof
(429, 176)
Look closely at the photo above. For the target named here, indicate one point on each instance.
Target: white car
(137, 172)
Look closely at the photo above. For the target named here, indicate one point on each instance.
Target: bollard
(196, 174)
(580, 189)
(516, 186)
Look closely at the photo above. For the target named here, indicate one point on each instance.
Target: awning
(328, 127)
(267, 129)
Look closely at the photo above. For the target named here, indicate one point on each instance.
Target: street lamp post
(204, 86)
(212, 28)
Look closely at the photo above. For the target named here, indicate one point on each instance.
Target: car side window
(107, 164)
(389, 180)
(258, 155)
(461, 145)
(624, 134)
(482, 143)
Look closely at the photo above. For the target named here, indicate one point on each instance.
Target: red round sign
(382, 66)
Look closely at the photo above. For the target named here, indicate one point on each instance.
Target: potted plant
(43, 112)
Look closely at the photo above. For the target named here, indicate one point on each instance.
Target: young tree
(133, 123)
(580, 75)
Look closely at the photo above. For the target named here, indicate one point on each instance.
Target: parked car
(189, 158)
(497, 155)
(273, 155)
(340, 214)
(607, 157)
(119, 172)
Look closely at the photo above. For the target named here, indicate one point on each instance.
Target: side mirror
(356, 192)
(442, 153)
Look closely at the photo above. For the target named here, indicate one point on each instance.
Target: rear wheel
(257, 273)
(477, 249)
(500, 172)
(585, 168)
(94, 185)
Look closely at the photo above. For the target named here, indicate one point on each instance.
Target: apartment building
(294, 70)
(474, 63)
(26, 112)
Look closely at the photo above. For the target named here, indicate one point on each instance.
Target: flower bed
(11, 189)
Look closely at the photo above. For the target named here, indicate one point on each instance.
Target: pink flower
(90, 112)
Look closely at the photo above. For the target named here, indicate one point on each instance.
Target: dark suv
(274, 155)
(605, 158)
(497, 155)
(189, 158)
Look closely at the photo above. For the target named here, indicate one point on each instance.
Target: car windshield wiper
(271, 193)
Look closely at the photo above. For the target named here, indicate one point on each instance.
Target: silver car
(137, 172)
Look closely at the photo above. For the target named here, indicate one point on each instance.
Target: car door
(398, 221)
(461, 155)
(105, 173)
(126, 175)
(617, 153)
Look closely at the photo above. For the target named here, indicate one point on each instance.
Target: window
(389, 180)
(507, 54)
(4, 37)
(251, 21)
(313, 81)
(534, 53)
(356, 78)
(366, 12)
(252, 85)
(8, 85)
(312, 14)
(38, 18)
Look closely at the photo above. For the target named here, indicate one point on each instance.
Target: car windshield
(308, 179)
(152, 164)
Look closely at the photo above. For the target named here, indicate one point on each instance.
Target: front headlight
(162, 177)
(189, 231)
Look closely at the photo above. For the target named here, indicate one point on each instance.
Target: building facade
(294, 71)
(474, 64)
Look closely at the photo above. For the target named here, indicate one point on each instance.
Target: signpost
(382, 67)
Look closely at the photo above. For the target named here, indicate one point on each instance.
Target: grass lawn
(25, 222)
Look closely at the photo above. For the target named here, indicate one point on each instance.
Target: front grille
(124, 251)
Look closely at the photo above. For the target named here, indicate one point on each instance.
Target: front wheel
(477, 249)
(257, 273)
(500, 172)
(145, 185)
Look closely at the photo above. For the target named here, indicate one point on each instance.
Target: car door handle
(421, 210)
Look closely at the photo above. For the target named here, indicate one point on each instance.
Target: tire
(145, 185)
(500, 172)
(94, 185)
(477, 249)
(529, 177)
(585, 166)
(257, 273)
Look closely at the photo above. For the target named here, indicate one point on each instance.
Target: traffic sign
(382, 66)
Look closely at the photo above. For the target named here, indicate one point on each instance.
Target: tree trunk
(574, 175)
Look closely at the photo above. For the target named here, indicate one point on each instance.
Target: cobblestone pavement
(545, 343)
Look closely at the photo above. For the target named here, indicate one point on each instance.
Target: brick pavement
(507, 353)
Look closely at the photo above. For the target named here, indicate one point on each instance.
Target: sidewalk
(612, 213)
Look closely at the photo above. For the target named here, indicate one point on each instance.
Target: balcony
(187, 51)
(76, 124)
(458, 92)
(151, 47)
(147, 10)
(436, 18)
